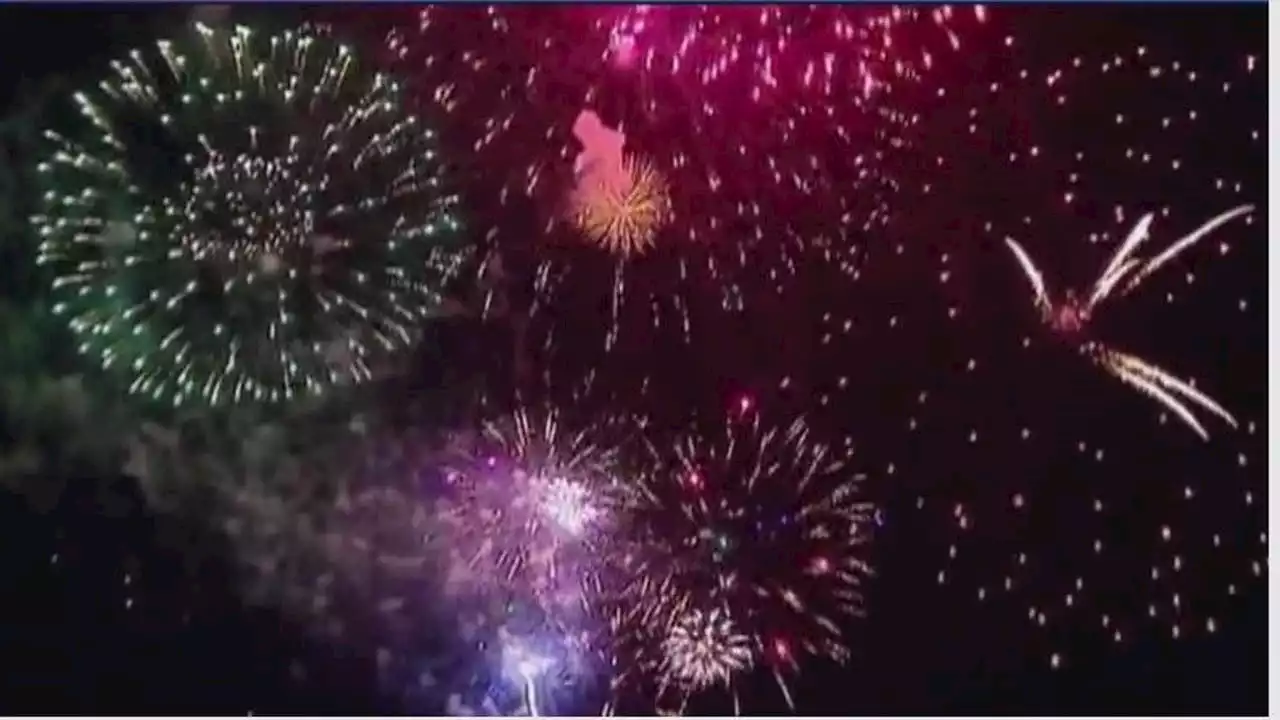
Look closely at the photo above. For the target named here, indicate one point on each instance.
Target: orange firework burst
(622, 208)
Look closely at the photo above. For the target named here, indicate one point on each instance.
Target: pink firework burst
(747, 114)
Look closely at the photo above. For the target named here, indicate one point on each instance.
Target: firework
(620, 209)
(703, 649)
(1123, 274)
(534, 521)
(755, 551)
(245, 216)
(530, 510)
(769, 127)
(528, 666)
(505, 535)
(520, 666)
(1063, 508)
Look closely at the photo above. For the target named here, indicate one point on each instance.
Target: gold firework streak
(1160, 386)
(1127, 272)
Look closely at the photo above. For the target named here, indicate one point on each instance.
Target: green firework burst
(242, 216)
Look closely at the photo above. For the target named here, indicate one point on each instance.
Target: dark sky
(109, 615)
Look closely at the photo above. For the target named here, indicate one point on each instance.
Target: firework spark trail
(1166, 389)
(1034, 276)
(1163, 387)
(1185, 243)
(1120, 263)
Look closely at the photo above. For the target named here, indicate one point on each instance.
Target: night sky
(1033, 507)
